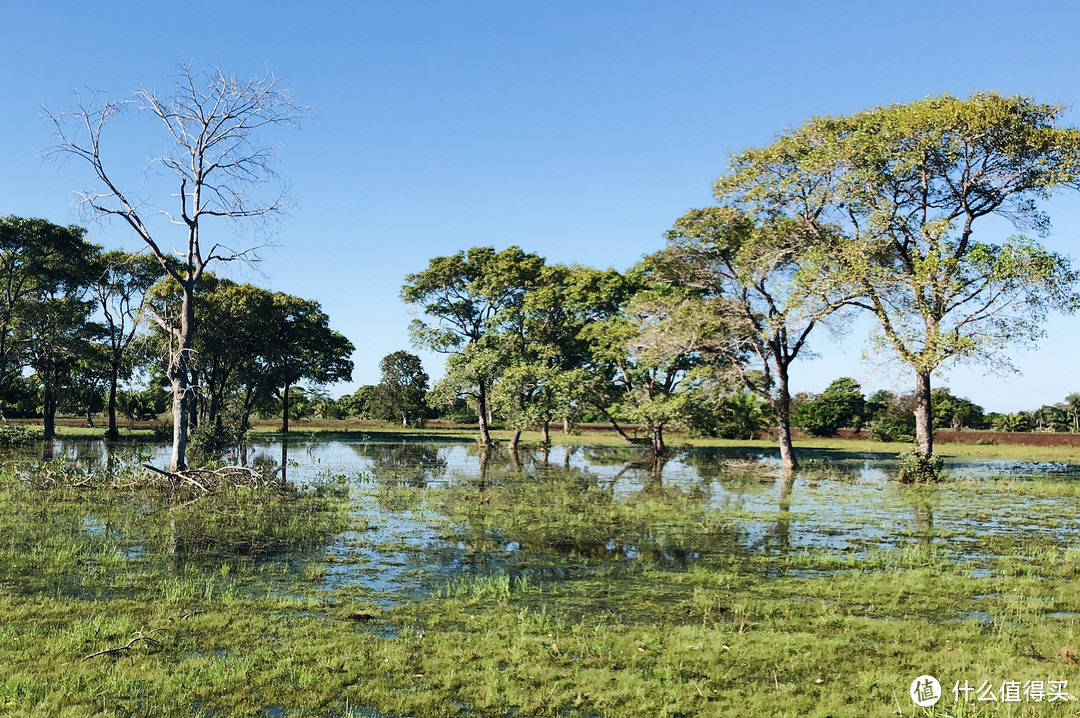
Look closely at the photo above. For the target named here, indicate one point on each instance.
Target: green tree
(952, 412)
(761, 277)
(123, 280)
(301, 347)
(57, 334)
(654, 344)
(1072, 402)
(841, 404)
(37, 259)
(468, 295)
(599, 374)
(401, 393)
(252, 345)
(360, 403)
(908, 185)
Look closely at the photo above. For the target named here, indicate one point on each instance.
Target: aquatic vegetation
(401, 582)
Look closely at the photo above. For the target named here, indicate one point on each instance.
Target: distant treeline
(85, 330)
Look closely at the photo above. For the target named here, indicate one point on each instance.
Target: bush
(885, 428)
(17, 434)
(820, 417)
(214, 440)
(918, 469)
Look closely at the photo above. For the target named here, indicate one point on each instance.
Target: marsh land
(409, 576)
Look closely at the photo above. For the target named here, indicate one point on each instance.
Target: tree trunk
(213, 413)
(658, 446)
(514, 441)
(285, 410)
(114, 379)
(783, 422)
(484, 460)
(482, 413)
(614, 423)
(179, 375)
(924, 426)
(193, 408)
(49, 415)
(284, 460)
(566, 425)
(545, 433)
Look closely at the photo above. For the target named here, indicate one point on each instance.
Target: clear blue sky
(578, 130)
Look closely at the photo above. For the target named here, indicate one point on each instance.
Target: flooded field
(436, 578)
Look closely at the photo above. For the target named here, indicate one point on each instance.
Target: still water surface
(424, 512)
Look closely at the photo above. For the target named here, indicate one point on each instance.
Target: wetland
(418, 577)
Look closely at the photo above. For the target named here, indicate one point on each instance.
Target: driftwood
(208, 480)
(61, 475)
(138, 637)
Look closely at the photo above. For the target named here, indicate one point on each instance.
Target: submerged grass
(548, 592)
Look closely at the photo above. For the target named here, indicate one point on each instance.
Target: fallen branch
(139, 636)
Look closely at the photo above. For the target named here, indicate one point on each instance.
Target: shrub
(214, 440)
(885, 428)
(17, 434)
(918, 469)
(820, 417)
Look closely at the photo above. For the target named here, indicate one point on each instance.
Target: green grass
(652, 601)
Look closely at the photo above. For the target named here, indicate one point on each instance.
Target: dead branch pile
(211, 480)
(65, 475)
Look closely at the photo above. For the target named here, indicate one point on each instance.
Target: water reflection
(423, 511)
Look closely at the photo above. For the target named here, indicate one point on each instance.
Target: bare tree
(214, 125)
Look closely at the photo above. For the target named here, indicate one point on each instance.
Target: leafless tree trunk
(212, 122)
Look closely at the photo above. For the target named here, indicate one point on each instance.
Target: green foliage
(758, 273)
(951, 412)
(18, 435)
(210, 440)
(888, 428)
(916, 468)
(1020, 421)
(360, 403)
(401, 395)
(840, 405)
(251, 343)
(475, 299)
(742, 415)
(903, 188)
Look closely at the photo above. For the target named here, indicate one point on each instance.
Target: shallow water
(425, 513)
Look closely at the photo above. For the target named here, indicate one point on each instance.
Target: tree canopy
(904, 187)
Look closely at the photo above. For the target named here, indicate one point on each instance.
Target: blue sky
(579, 131)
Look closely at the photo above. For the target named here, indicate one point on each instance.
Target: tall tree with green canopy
(468, 294)
(597, 375)
(253, 344)
(54, 331)
(657, 344)
(402, 391)
(37, 258)
(908, 184)
(123, 280)
(759, 277)
(301, 346)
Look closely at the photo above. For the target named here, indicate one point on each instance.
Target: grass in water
(547, 592)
